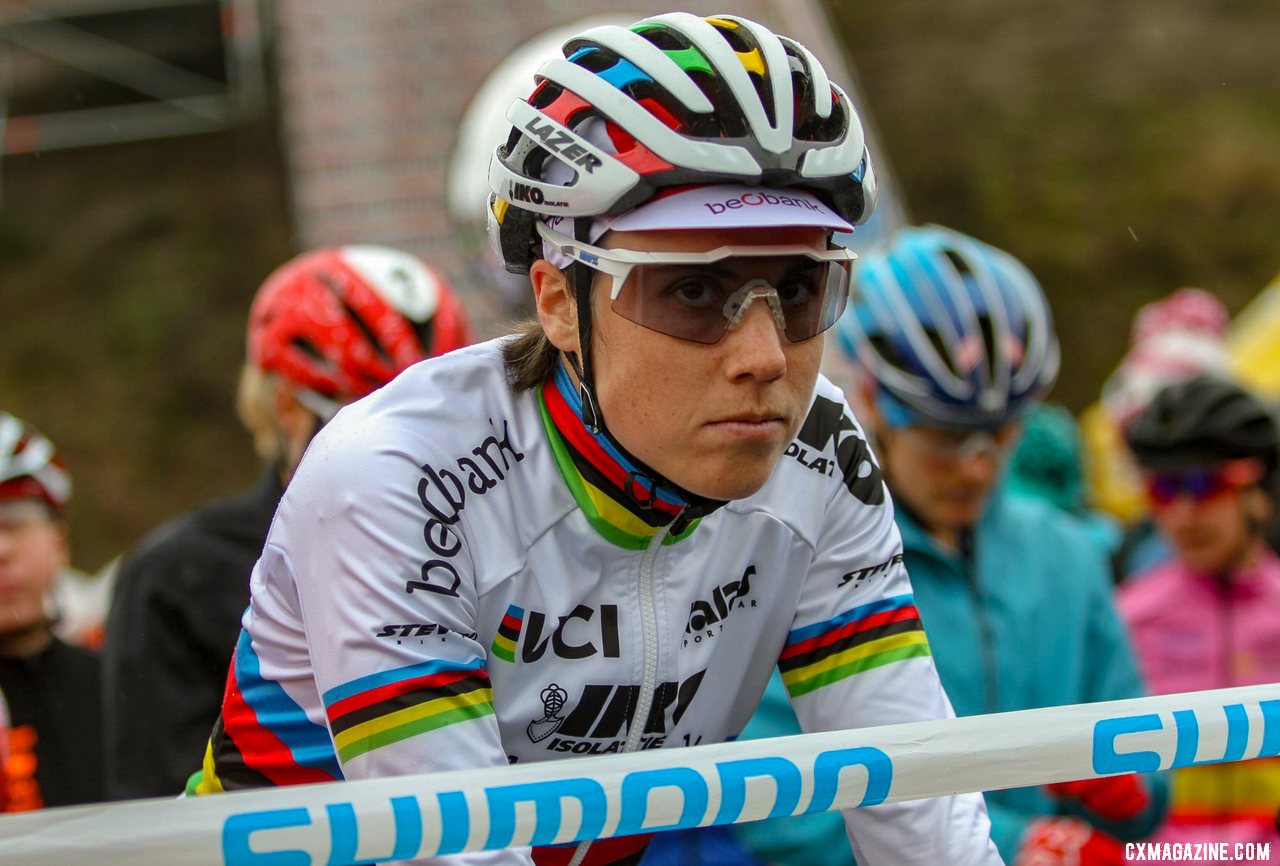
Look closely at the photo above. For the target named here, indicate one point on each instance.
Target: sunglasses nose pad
(737, 305)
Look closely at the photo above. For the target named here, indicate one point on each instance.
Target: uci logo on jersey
(578, 634)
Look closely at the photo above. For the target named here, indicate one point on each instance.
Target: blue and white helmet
(955, 332)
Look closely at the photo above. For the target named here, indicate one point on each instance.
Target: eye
(799, 287)
(695, 291)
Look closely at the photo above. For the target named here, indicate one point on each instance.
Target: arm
(352, 530)
(171, 629)
(1113, 805)
(857, 656)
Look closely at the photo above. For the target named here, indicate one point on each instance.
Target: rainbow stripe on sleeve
(857, 640)
(387, 707)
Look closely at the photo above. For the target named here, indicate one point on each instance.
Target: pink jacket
(1192, 631)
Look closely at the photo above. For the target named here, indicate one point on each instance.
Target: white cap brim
(731, 206)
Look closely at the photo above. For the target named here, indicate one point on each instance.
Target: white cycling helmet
(684, 100)
(30, 466)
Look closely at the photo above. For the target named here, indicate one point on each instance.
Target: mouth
(751, 425)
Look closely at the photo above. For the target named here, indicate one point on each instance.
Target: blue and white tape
(401, 818)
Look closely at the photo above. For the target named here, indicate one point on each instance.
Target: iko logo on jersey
(443, 493)
(601, 717)
(578, 634)
(707, 617)
(827, 421)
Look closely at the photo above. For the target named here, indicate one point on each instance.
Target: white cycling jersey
(443, 588)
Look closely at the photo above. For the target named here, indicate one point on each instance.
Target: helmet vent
(368, 332)
(308, 348)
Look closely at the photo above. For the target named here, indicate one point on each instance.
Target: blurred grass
(1121, 149)
(125, 279)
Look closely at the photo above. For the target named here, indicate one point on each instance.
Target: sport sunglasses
(1201, 483)
(701, 296)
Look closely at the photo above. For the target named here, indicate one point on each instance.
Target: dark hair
(530, 357)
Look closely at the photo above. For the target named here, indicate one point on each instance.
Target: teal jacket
(1026, 620)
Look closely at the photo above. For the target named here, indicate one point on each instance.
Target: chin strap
(580, 278)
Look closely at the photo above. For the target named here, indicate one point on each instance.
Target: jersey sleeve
(387, 600)
(857, 656)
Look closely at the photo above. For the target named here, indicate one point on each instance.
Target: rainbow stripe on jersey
(508, 636)
(390, 706)
(857, 640)
(263, 737)
(596, 471)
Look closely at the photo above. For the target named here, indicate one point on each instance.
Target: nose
(979, 467)
(754, 349)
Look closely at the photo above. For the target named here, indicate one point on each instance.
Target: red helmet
(340, 322)
(30, 467)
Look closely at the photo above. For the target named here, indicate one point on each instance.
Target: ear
(63, 543)
(293, 419)
(557, 309)
(867, 407)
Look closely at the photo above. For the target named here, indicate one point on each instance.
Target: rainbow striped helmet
(673, 100)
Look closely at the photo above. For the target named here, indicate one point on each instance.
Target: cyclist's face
(944, 476)
(33, 547)
(1212, 533)
(714, 418)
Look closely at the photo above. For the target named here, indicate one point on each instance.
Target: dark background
(1121, 149)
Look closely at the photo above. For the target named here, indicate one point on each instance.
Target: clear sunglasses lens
(690, 301)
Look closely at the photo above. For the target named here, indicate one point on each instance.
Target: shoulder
(205, 540)
(1043, 541)
(443, 455)
(1149, 594)
(74, 660)
(428, 411)
(1046, 524)
(830, 454)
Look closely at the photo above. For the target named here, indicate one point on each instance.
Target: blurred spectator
(55, 734)
(1175, 338)
(955, 344)
(1047, 464)
(1207, 618)
(326, 328)
(4, 754)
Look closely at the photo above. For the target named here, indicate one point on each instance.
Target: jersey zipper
(649, 644)
(986, 636)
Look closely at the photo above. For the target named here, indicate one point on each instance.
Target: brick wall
(372, 95)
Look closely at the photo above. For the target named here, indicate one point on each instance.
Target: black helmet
(1204, 420)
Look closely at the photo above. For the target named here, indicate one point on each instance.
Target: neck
(26, 642)
(601, 461)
